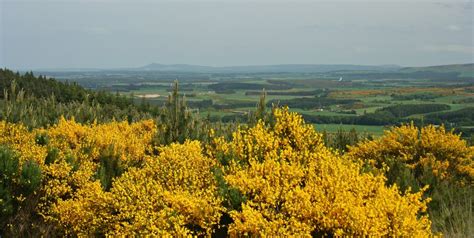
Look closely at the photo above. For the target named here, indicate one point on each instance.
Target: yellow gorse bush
(130, 142)
(290, 184)
(72, 175)
(85, 213)
(294, 186)
(18, 138)
(432, 148)
(172, 191)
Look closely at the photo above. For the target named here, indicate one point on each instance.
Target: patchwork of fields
(365, 100)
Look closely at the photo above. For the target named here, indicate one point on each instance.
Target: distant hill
(459, 70)
(465, 70)
(282, 68)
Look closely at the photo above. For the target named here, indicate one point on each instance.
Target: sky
(39, 34)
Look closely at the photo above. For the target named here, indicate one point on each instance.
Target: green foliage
(399, 174)
(110, 167)
(52, 156)
(73, 162)
(17, 185)
(260, 112)
(42, 139)
(8, 171)
(342, 139)
(37, 101)
(30, 177)
(176, 123)
(233, 198)
(41, 87)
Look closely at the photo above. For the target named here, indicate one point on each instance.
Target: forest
(77, 161)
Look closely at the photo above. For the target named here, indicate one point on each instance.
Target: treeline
(396, 114)
(41, 88)
(464, 100)
(38, 101)
(461, 117)
(404, 110)
(415, 96)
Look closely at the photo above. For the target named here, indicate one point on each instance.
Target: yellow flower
(173, 192)
(432, 148)
(294, 186)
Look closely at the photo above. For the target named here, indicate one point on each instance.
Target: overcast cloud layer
(111, 34)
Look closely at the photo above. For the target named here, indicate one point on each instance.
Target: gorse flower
(18, 138)
(430, 150)
(293, 185)
(109, 180)
(172, 194)
(129, 142)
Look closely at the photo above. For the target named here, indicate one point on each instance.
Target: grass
(453, 215)
(332, 128)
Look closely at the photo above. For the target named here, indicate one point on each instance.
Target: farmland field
(364, 100)
(373, 130)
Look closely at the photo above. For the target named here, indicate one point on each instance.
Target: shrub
(18, 183)
(295, 186)
(413, 158)
(175, 194)
(431, 154)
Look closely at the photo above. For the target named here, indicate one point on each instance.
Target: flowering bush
(429, 151)
(293, 185)
(19, 139)
(129, 142)
(174, 194)
(107, 179)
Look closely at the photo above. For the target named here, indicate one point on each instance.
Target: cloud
(452, 48)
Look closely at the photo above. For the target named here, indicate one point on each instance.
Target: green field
(332, 128)
(362, 100)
